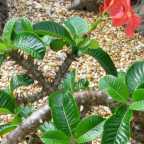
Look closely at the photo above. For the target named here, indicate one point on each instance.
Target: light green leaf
(52, 29)
(138, 95)
(8, 30)
(135, 76)
(47, 126)
(5, 128)
(138, 106)
(65, 112)
(77, 26)
(23, 24)
(115, 87)
(117, 127)
(55, 137)
(87, 124)
(20, 80)
(31, 44)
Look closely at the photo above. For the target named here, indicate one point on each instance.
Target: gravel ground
(123, 51)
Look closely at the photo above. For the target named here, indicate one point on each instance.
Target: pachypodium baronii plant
(33, 39)
(127, 89)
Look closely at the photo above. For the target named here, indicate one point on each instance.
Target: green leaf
(5, 128)
(65, 112)
(8, 30)
(7, 101)
(46, 40)
(47, 126)
(2, 58)
(103, 58)
(23, 24)
(57, 44)
(92, 134)
(31, 44)
(20, 80)
(4, 111)
(52, 29)
(55, 137)
(117, 127)
(77, 26)
(69, 82)
(115, 87)
(87, 124)
(138, 95)
(138, 106)
(3, 48)
(82, 84)
(135, 76)
(25, 111)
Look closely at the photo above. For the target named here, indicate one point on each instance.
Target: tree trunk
(3, 13)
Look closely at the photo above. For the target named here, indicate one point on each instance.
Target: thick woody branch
(48, 87)
(36, 119)
(32, 69)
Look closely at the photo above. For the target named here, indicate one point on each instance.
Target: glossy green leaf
(20, 80)
(47, 126)
(77, 26)
(87, 124)
(138, 95)
(117, 127)
(115, 87)
(57, 44)
(92, 134)
(23, 24)
(52, 29)
(7, 101)
(138, 106)
(65, 112)
(5, 128)
(135, 76)
(55, 137)
(31, 44)
(8, 30)
(68, 83)
(103, 58)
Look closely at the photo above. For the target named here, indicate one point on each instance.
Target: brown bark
(37, 75)
(3, 13)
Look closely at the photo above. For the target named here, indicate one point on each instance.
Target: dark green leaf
(104, 59)
(135, 76)
(82, 84)
(92, 134)
(52, 29)
(55, 137)
(31, 44)
(87, 124)
(57, 44)
(7, 101)
(20, 80)
(117, 127)
(115, 87)
(77, 26)
(65, 112)
(138, 95)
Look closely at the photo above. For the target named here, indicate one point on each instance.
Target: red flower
(122, 14)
